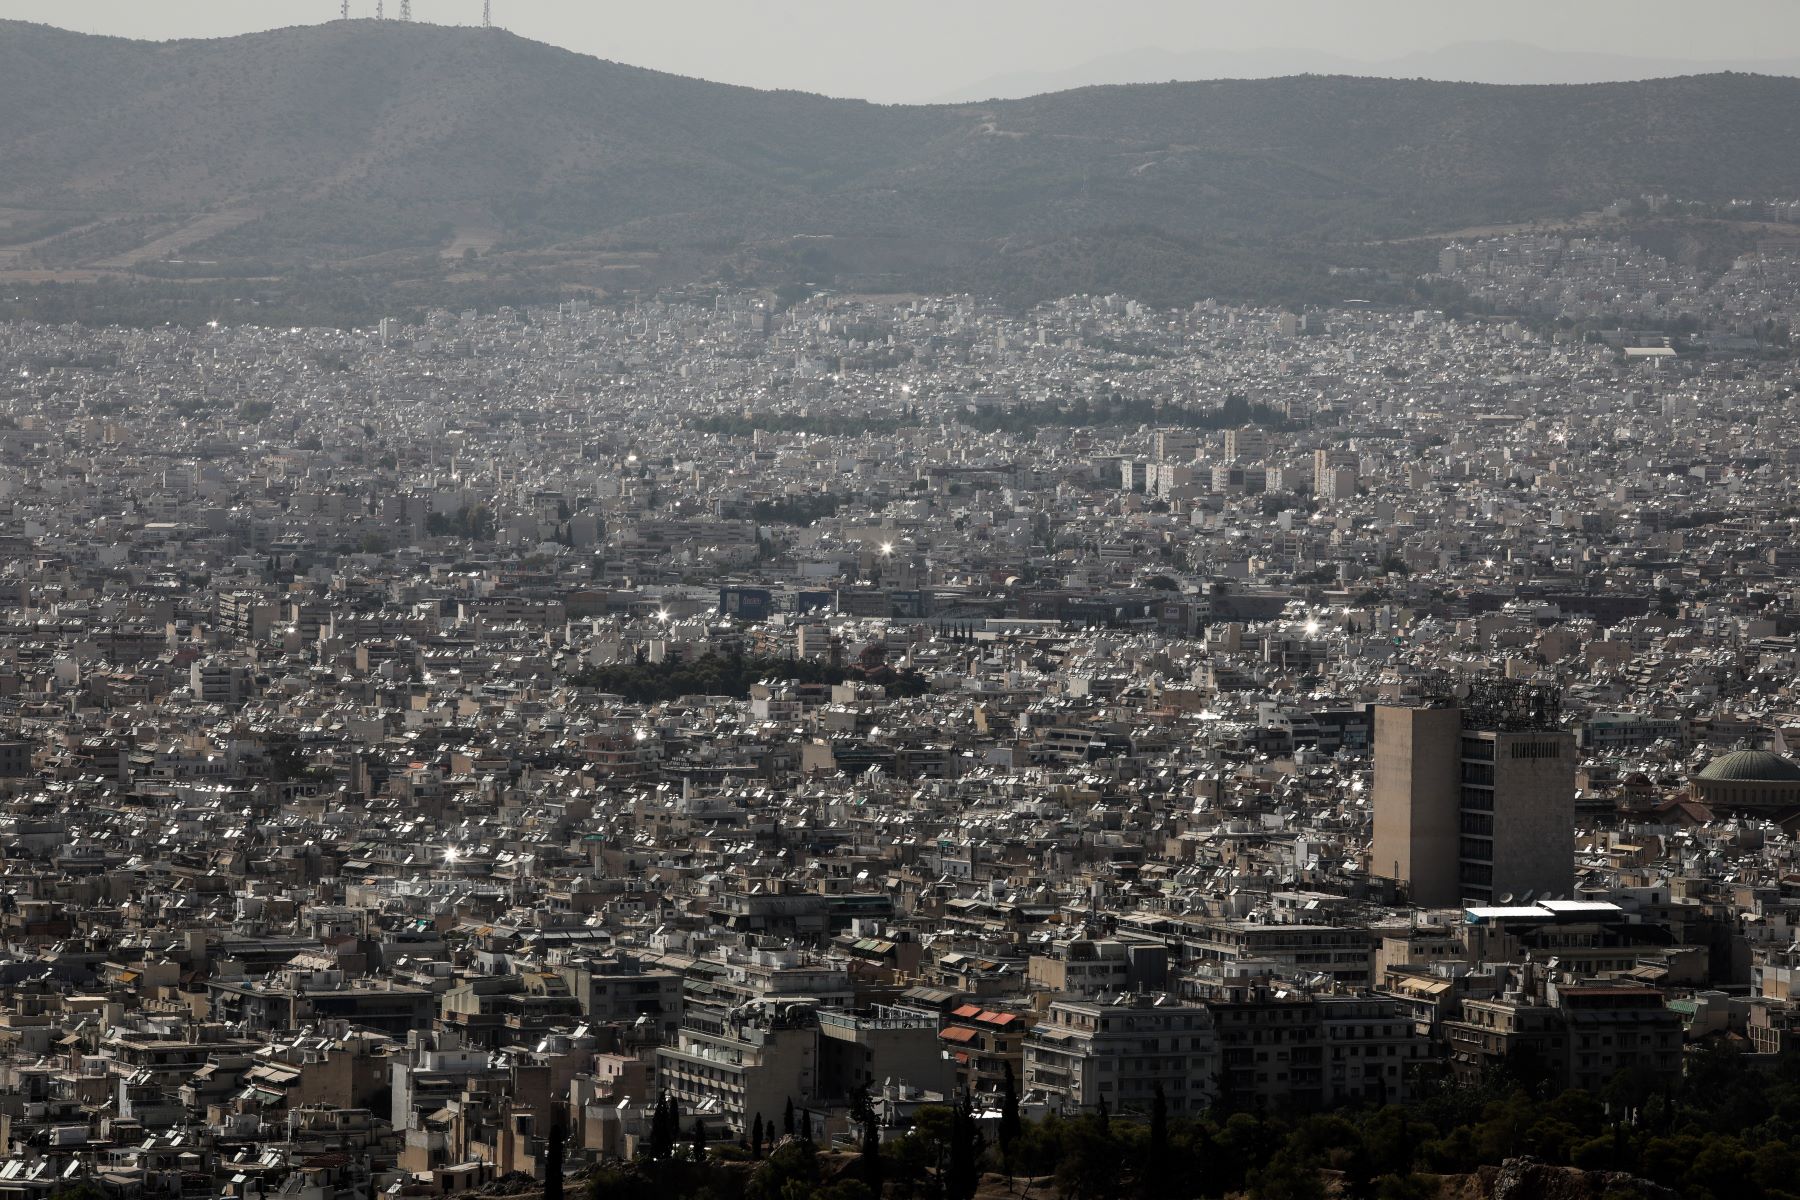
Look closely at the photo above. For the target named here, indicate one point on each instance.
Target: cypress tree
(864, 1111)
(756, 1138)
(553, 1164)
(787, 1118)
(1155, 1175)
(699, 1140)
(663, 1128)
(1010, 1125)
(964, 1174)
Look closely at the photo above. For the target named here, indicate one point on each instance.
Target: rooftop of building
(1751, 766)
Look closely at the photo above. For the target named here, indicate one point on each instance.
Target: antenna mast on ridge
(406, 10)
(380, 10)
(487, 14)
(344, 10)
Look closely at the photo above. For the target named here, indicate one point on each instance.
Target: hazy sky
(923, 48)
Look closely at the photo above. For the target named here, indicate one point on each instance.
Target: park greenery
(1109, 408)
(644, 682)
(797, 510)
(1729, 1130)
(474, 522)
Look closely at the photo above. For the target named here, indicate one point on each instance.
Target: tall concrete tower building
(1326, 464)
(1475, 797)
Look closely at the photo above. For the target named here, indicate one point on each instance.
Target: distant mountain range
(396, 151)
(1498, 62)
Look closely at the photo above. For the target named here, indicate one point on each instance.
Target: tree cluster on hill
(796, 510)
(475, 522)
(334, 298)
(1080, 412)
(1116, 408)
(836, 424)
(645, 682)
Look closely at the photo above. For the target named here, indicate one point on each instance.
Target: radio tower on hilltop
(344, 10)
(487, 14)
(406, 10)
(380, 10)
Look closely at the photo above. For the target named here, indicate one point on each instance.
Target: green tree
(1010, 1125)
(553, 1163)
(964, 1173)
(664, 1128)
(80, 1189)
(1153, 1170)
(790, 1173)
(1092, 1165)
(1287, 1178)
(863, 1111)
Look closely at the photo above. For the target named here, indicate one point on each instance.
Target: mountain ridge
(1497, 62)
(383, 145)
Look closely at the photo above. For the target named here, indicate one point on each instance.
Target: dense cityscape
(499, 746)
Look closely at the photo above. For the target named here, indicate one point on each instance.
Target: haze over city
(936, 50)
(586, 613)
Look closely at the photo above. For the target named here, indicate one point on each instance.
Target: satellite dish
(1461, 691)
(1506, 897)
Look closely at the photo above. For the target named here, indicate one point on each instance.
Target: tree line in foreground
(1729, 1130)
